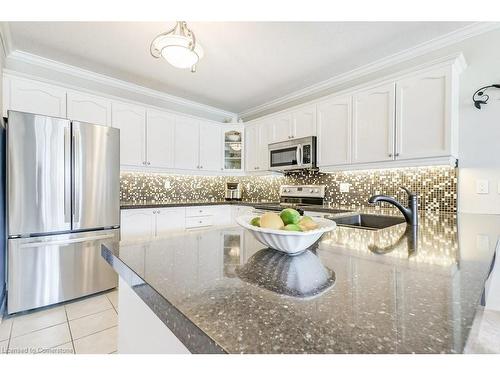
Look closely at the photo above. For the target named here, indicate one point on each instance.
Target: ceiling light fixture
(178, 46)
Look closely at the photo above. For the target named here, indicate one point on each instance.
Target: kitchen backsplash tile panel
(436, 186)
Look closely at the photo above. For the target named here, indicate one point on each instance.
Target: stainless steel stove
(298, 197)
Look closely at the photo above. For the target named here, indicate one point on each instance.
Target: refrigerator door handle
(67, 174)
(76, 177)
(64, 242)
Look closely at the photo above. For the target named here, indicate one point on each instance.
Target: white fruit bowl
(288, 242)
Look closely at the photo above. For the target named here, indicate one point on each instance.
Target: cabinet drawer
(199, 221)
(200, 211)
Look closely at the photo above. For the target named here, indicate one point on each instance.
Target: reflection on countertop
(395, 290)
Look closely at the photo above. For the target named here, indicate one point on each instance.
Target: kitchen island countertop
(395, 290)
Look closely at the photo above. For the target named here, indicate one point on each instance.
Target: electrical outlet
(166, 185)
(344, 187)
(482, 187)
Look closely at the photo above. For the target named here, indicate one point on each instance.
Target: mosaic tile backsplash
(436, 187)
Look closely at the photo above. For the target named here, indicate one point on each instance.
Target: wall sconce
(480, 97)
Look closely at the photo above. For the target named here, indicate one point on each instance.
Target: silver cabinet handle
(149, 163)
(397, 154)
(390, 155)
(201, 166)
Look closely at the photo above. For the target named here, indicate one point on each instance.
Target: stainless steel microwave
(294, 154)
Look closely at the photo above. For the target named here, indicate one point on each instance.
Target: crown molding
(25, 57)
(386, 62)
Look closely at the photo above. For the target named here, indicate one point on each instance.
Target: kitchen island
(395, 290)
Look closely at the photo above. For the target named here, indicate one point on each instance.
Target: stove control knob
(311, 190)
(316, 190)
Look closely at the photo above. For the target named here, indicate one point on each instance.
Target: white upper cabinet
(373, 124)
(187, 146)
(160, 135)
(257, 137)
(423, 115)
(304, 122)
(210, 147)
(282, 128)
(252, 147)
(334, 126)
(88, 108)
(131, 120)
(26, 95)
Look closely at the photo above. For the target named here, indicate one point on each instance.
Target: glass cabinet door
(233, 150)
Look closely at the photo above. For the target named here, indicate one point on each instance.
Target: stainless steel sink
(370, 222)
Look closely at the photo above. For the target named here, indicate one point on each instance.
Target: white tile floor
(88, 326)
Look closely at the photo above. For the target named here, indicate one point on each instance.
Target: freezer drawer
(52, 269)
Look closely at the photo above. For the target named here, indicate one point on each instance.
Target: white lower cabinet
(170, 219)
(237, 211)
(137, 223)
(155, 222)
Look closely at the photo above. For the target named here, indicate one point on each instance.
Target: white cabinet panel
(88, 108)
(304, 122)
(257, 138)
(423, 121)
(334, 125)
(160, 139)
(170, 219)
(237, 211)
(252, 147)
(210, 147)
(136, 223)
(25, 95)
(282, 128)
(373, 124)
(186, 148)
(131, 120)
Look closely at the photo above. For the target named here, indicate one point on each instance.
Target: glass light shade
(175, 49)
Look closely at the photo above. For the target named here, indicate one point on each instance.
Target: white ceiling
(245, 65)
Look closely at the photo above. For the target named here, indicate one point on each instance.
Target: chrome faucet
(410, 213)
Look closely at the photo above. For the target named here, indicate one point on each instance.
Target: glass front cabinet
(233, 149)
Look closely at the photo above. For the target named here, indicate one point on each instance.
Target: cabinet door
(373, 125)
(160, 139)
(423, 123)
(252, 147)
(334, 127)
(187, 143)
(304, 122)
(137, 223)
(282, 128)
(25, 95)
(170, 219)
(89, 108)
(210, 147)
(131, 120)
(264, 134)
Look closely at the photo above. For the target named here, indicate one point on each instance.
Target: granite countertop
(355, 291)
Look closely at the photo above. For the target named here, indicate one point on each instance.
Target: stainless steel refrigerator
(63, 202)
